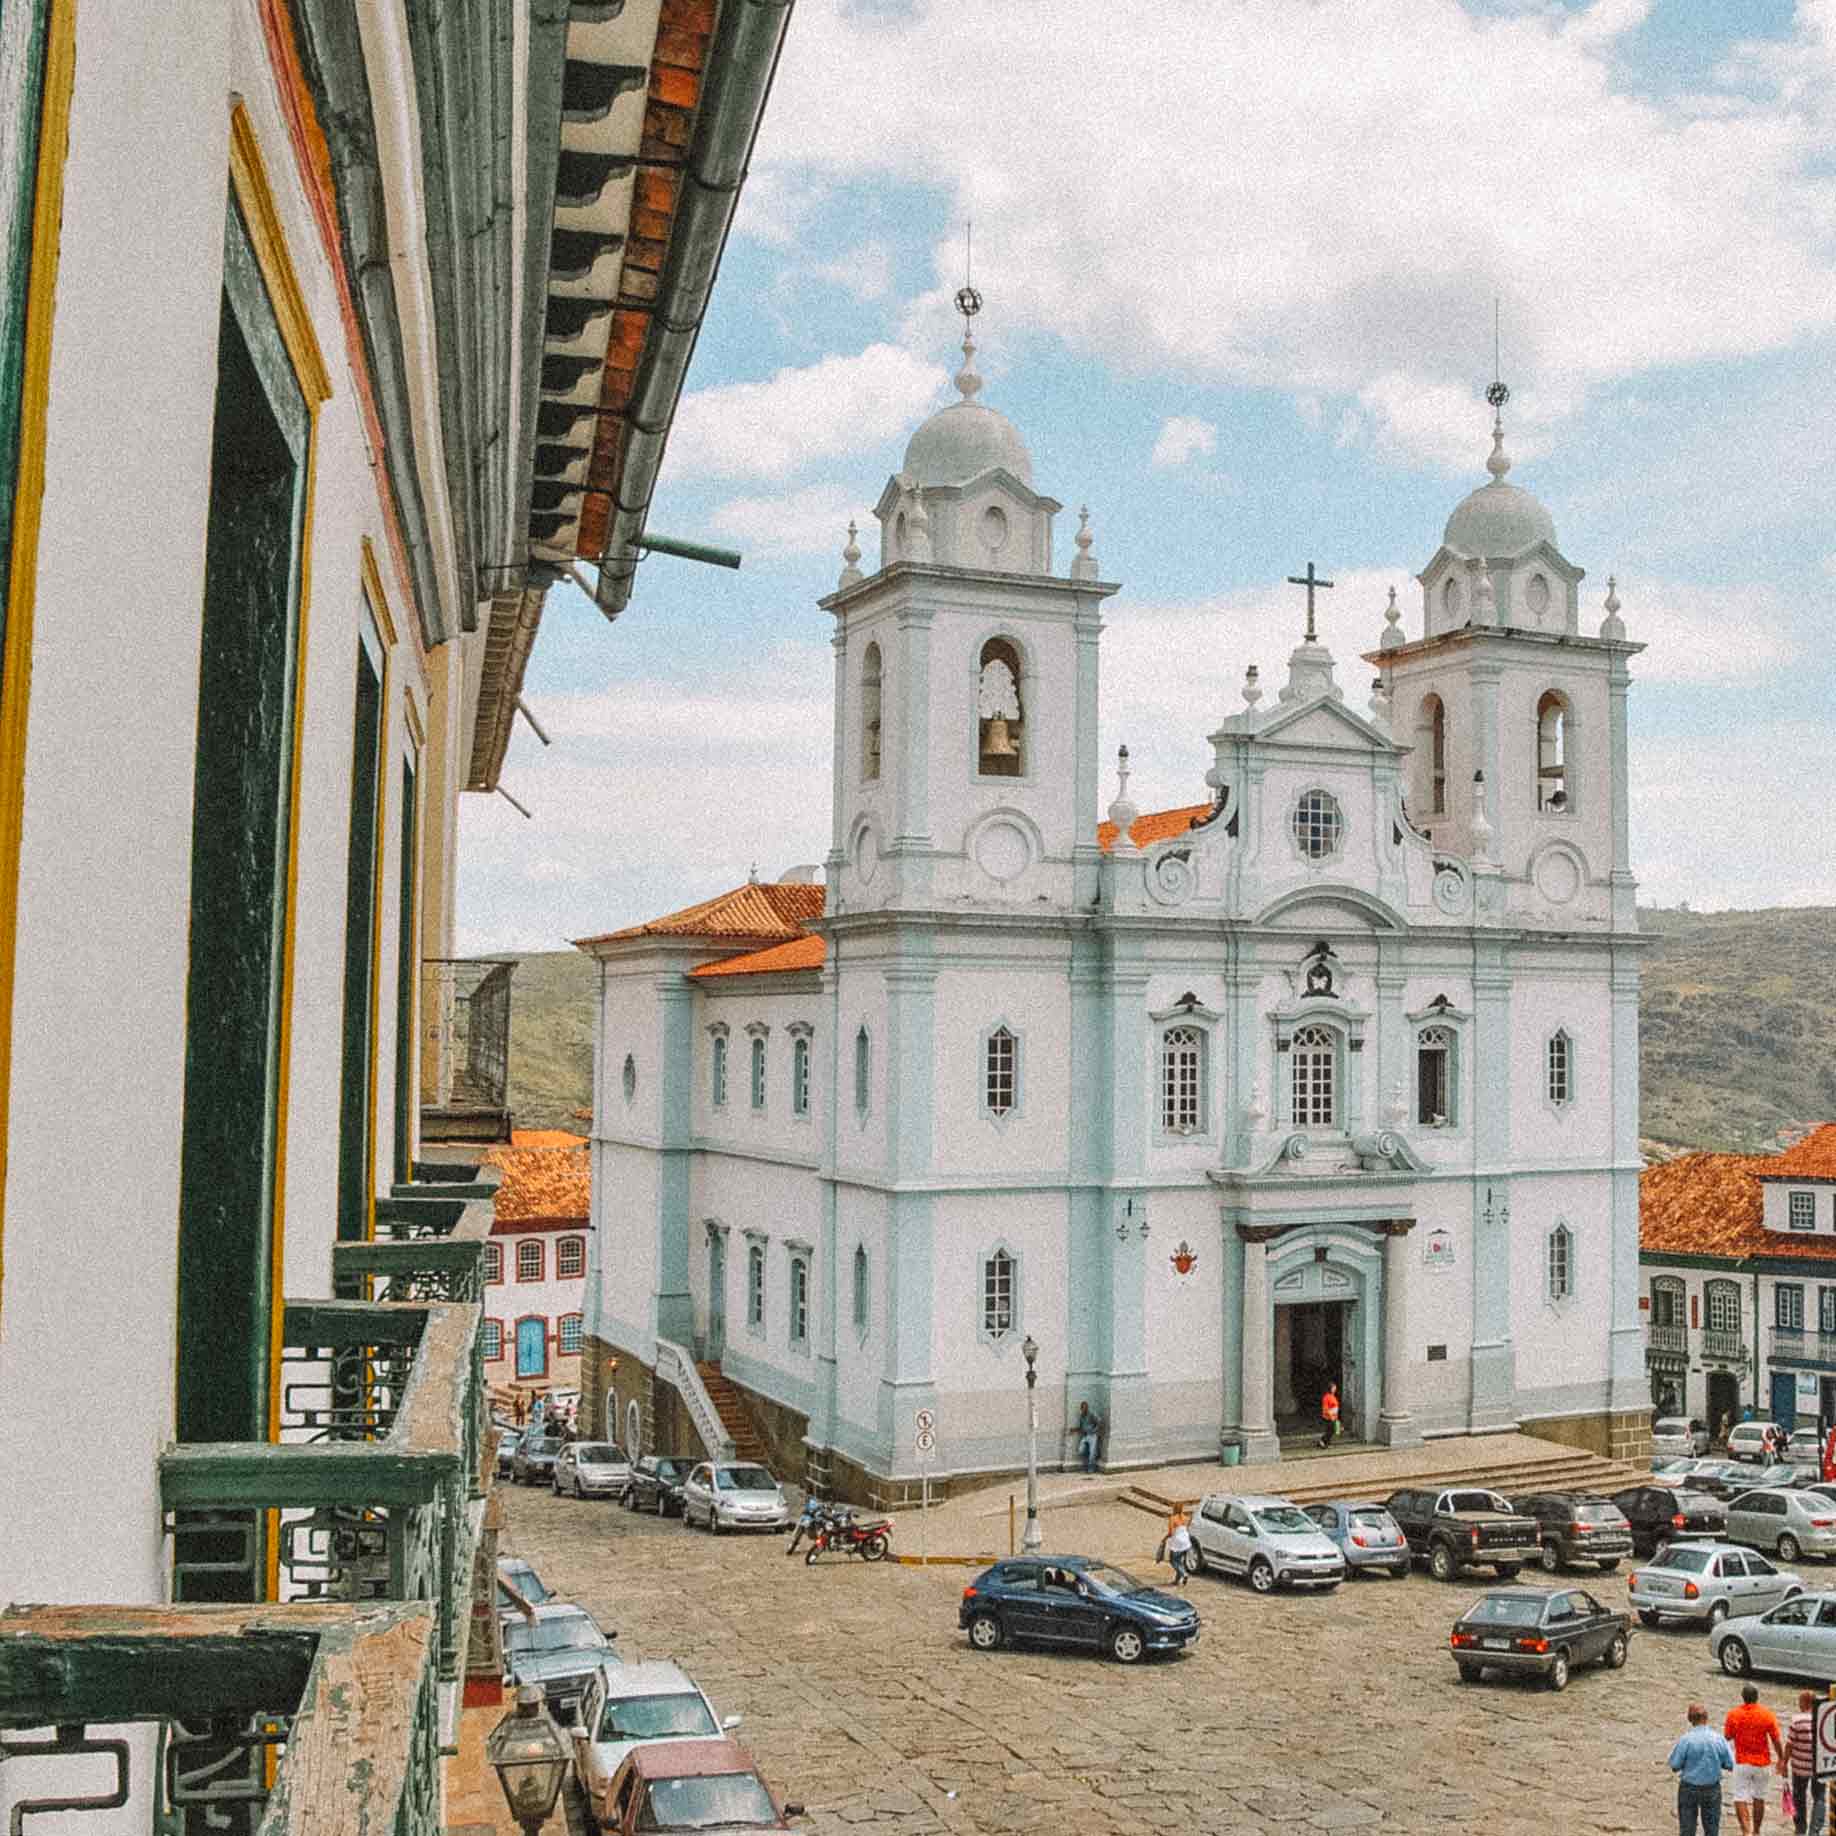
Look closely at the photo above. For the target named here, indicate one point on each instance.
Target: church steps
(735, 1418)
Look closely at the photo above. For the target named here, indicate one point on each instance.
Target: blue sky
(1239, 263)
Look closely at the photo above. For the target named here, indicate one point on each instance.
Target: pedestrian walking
(1759, 1752)
(1800, 1747)
(1177, 1544)
(1329, 1415)
(1699, 1758)
(1088, 1431)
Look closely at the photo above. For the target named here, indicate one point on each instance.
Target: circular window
(630, 1077)
(1318, 825)
(994, 528)
(1537, 597)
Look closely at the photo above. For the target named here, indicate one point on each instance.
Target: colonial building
(1738, 1258)
(1331, 1075)
(535, 1262)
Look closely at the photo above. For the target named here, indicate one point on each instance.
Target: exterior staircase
(735, 1417)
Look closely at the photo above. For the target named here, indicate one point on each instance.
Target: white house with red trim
(536, 1262)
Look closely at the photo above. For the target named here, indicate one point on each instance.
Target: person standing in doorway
(1329, 1415)
(1699, 1758)
(1759, 1751)
(1806, 1789)
(1089, 1429)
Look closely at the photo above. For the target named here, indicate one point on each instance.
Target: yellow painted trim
(379, 599)
(255, 196)
(417, 731)
(28, 501)
(385, 624)
(414, 943)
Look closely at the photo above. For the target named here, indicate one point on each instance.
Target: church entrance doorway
(1723, 1401)
(1311, 1341)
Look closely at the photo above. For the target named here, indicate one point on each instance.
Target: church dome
(1498, 518)
(966, 439)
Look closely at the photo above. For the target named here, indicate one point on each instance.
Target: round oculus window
(994, 528)
(1536, 595)
(1318, 825)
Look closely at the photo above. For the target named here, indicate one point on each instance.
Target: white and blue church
(1331, 1076)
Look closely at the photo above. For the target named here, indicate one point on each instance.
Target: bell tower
(966, 679)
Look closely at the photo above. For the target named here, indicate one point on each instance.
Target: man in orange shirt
(1329, 1415)
(1759, 1751)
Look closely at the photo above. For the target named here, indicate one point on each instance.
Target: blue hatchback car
(1076, 1601)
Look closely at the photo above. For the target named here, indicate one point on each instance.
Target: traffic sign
(927, 1441)
(925, 1420)
(1823, 1731)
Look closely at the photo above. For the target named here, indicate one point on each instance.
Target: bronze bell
(997, 742)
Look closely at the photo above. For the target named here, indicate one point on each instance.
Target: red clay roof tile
(1712, 1205)
(548, 1176)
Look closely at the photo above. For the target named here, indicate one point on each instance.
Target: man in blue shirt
(1699, 1759)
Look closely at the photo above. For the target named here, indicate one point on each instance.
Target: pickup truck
(1464, 1527)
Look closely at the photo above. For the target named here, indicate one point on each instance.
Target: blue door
(531, 1348)
(1785, 1398)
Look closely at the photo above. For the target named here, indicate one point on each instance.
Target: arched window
(1182, 1080)
(629, 1077)
(999, 1061)
(530, 1259)
(1721, 1307)
(1552, 790)
(870, 712)
(861, 1298)
(1434, 1082)
(568, 1336)
(800, 1076)
(570, 1258)
(1561, 1263)
(1431, 755)
(1450, 603)
(1560, 1068)
(1667, 1301)
(799, 1299)
(1314, 1057)
(758, 1071)
(863, 1070)
(1000, 711)
(719, 1077)
(997, 1295)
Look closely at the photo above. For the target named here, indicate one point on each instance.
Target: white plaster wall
(625, 1198)
(1437, 1303)
(776, 1130)
(860, 1219)
(784, 1204)
(632, 1026)
(1561, 1343)
(860, 1137)
(1581, 1005)
(1775, 1203)
(1030, 1140)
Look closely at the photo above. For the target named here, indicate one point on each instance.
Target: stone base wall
(782, 1430)
(1615, 1434)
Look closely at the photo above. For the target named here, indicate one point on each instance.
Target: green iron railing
(290, 1720)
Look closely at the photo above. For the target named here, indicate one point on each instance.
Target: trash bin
(1230, 1449)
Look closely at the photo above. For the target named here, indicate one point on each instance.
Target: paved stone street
(862, 1699)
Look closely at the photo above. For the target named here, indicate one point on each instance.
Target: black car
(656, 1483)
(1578, 1527)
(1657, 1513)
(533, 1463)
(1077, 1601)
(1537, 1632)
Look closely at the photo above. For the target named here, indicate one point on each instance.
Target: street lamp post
(530, 1757)
(1031, 1538)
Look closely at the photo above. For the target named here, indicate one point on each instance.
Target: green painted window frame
(407, 1091)
(363, 842)
(799, 1310)
(1801, 1205)
(755, 1284)
(717, 1065)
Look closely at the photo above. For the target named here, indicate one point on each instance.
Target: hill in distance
(1734, 1053)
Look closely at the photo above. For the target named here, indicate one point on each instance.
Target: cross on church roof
(1309, 580)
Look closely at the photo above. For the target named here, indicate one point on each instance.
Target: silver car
(1679, 1434)
(1365, 1534)
(1707, 1582)
(628, 1704)
(1788, 1523)
(591, 1469)
(1267, 1541)
(1797, 1638)
(734, 1495)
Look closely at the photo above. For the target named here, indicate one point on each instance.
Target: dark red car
(692, 1785)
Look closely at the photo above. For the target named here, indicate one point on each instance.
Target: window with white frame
(1826, 1311)
(861, 1297)
(997, 1295)
(1561, 1263)
(998, 1062)
(529, 1259)
(758, 1071)
(1560, 1067)
(1318, 824)
(1552, 755)
(799, 1299)
(570, 1258)
(493, 1340)
(1182, 1080)
(1803, 1211)
(1667, 1301)
(569, 1340)
(755, 1286)
(718, 1073)
(1432, 727)
(1434, 1051)
(1721, 1304)
(1788, 1306)
(494, 1262)
(800, 1076)
(1313, 1070)
(863, 1070)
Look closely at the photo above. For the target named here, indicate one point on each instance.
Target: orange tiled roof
(547, 1182)
(1712, 1205)
(805, 952)
(769, 910)
(1812, 1158)
(1155, 826)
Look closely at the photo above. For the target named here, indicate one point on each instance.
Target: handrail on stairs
(676, 1365)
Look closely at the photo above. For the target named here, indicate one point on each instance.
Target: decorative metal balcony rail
(1805, 1347)
(1730, 1347)
(1667, 1338)
(290, 1720)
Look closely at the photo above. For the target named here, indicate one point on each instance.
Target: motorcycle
(842, 1531)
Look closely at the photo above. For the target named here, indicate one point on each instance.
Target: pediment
(1328, 723)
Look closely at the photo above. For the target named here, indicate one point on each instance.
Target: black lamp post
(1031, 1537)
(530, 1758)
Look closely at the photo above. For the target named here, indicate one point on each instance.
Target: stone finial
(917, 524)
(1482, 823)
(1085, 566)
(1392, 625)
(752, 874)
(966, 379)
(1500, 461)
(1122, 812)
(1612, 626)
(851, 556)
(1380, 704)
(1485, 600)
(1252, 687)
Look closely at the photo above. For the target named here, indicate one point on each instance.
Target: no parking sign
(1823, 1730)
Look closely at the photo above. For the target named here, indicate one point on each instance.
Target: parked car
(1465, 1527)
(1679, 1434)
(1707, 1582)
(1747, 1441)
(1796, 1638)
(626, 1704)
(656, 1483)
(734, 1495)
(1366, 1535)
(524, 1579)
(1073, 1600)
(507, 1439)
(1578, 1527)
(1788, 1523)
(666, 1785)
(1530, 1631)
(1266, 1541)
(534, 1460)
(560, 1648)
(1721, 1478)
(1805, 1448)
(1793, 1475)
(591, 1469)
(1657, 1513)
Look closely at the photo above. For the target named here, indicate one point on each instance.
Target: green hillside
(1731, 1017)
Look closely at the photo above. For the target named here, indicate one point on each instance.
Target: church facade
(1329, 1077)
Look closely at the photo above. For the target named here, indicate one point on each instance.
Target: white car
(1747, 1441)
(734, 1495)
(1707, 1582)
(628, 1704)
(591, 1469)
(1268, 1541)
(1678, 1434)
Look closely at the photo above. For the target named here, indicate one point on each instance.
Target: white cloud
(1182, 437)
(1356, 186)
(1696, 634)
(866, 272)
(772, 429)
(810, 521)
